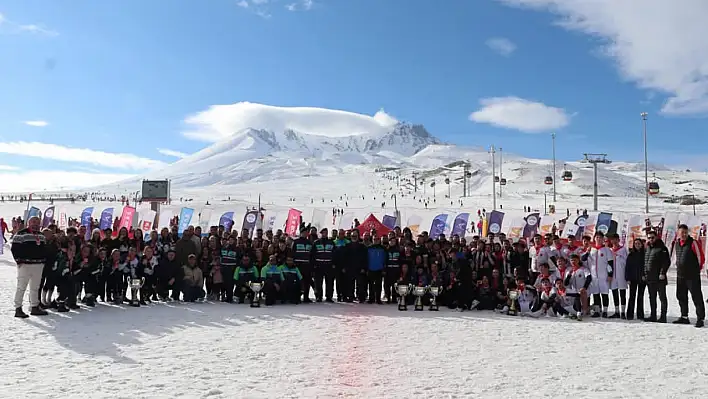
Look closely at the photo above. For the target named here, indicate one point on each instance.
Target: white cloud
(658, 44)
(8, 167)
(243, 4)
(220, 121)
(15, 27)
(56, 180)
(259, 2)
(36, 123)
(519, 114)
(79, 155)
(501, 46)
(37, 29)
(302, 5)
(172, 153)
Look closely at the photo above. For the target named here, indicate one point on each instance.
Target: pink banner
(292, 225)
(126, 219)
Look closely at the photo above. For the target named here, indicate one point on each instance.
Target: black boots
(37, 311)
(21, 314)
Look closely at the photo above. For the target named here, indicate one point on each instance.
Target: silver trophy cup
(419, 292)
(256, 299)
(402, 290)
(434, 292)
(135, 285)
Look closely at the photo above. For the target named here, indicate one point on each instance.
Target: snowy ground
(326, 351)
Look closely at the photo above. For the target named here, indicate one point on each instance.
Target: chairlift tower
(595, 159)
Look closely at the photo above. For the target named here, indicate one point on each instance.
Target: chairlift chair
(496, 179)
(567, 175)
(653, 188)
(549, 180)
(502, 182)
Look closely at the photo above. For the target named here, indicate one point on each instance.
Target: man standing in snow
(30, 253)
(689, 261)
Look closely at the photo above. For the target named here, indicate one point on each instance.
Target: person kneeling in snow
(244, 274)
(272, 276)
(527, 299)
(193, 280)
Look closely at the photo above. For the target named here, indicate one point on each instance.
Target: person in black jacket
(656, 263)
(354, 258)
(689, 261)
(168, 273)
(29, 248)
(322, 258)
(633, 273)
(302, 256)
(393, 266)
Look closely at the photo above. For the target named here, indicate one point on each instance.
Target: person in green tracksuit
(272, 277)
(292, 283)
(245, 273)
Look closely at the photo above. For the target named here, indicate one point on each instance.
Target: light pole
(553, 136)
(595, 159)
(494, 186)
(501, 163)
(646, 163)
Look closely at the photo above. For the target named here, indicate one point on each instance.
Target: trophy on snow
(256, 299)
(513, 296)
(402, 290)
(419, 292)
(434, 292)
(135, 285)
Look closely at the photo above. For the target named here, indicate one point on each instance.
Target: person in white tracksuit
(600, 261)
(577, 283)
(619, 282)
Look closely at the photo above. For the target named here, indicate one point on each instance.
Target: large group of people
(67, 269)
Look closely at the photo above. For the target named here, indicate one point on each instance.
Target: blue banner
(106, 219)
(185, 217)
(33, 212)
(494, 222)
(389, 221)
(227, 220)
(438, 226)
(604, 222)
(459, 226)
(86, 221)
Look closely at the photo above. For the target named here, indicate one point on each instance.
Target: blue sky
(121, 76)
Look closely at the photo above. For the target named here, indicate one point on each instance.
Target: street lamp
(553, 136)
(646, 163)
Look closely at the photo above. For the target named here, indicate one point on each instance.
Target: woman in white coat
(600, 260)
(619, 282)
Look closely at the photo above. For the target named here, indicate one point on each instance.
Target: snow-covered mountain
(259, 148)
(257, 154)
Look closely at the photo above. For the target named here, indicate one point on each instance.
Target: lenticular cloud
(220, 121)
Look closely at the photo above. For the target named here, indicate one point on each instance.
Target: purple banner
(389, 221)
(459, 227)
(531, 226)
(106, 219)
(86, 221)
(48, 217)
(438, 226)
(227, 220)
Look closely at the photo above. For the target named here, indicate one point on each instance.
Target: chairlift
(496, 179)
(567, 175)
(653, 188)
(549, 180)
(502, 182)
